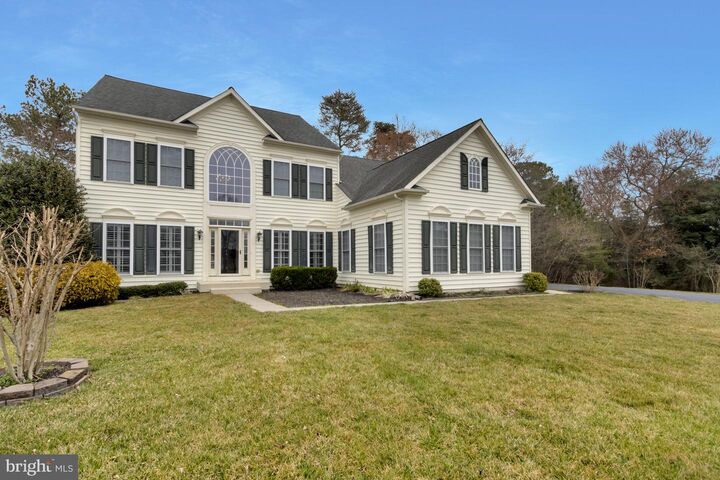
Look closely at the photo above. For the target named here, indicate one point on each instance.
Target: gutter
(136, 118)
(395, 193)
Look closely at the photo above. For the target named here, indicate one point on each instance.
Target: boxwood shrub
(302, 278)
(160, 290)
(430, 287)
(535, 281)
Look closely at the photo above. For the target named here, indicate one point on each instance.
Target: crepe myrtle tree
(33, 254)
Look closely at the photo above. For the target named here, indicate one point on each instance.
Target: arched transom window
(474, 174)
(229, 176)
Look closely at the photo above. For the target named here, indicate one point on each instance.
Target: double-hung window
(345, 248)
(475, 247)
(474, 174)
(316, 252)
(507, 238)
(117, 246)
(281, 247)
(281, 179)
(171, 166)
(118, 160)
(316, 183)
(379, 248)
(170, 249)
(440, 238)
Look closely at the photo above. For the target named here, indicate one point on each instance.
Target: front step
(227, 288)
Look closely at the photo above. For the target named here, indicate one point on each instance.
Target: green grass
(573, 386)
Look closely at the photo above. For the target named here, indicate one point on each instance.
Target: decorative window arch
(229, 176)
(474, 174)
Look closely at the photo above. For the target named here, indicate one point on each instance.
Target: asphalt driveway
(690, 296)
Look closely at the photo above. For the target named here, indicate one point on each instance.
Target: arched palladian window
(474, 174)
(229, 176)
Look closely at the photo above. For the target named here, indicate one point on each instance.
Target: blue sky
(567, 78)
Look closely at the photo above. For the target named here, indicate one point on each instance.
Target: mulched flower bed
(336, 296)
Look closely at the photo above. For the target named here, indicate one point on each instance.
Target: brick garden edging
(77, 370)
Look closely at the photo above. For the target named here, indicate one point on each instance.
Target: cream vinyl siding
(502, 199)
(359, 219)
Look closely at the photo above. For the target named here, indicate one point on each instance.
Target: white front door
(229, 251)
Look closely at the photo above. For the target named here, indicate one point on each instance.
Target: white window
(229, 176)
(440, 241)
(508, 248)
(170, 249)
(281, 179)
(118, 160)
(117, 246)
(379, 248)
(281, 247)
(475, 247)
(474, 174)
(212, 249)
(171, 166)
(316, 252)
(316, 183)
(345, 246)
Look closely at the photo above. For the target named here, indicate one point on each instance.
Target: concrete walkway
(257, 303)
(689, 296)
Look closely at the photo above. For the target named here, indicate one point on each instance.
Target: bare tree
(31, 264)
(626, 190)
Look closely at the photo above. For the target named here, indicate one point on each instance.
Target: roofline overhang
(532, 205)
(136, 118)
(301, 145)
(401, 192)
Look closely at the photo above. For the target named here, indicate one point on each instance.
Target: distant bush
(302, 278)
(95, 284)
(430, 287)
(588, 280)
(166, 289)
(535, 281)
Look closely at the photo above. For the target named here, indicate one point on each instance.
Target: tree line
(647, 215)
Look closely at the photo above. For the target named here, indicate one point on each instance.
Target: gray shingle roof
(353, 172)
(397, 173)
(135, 98)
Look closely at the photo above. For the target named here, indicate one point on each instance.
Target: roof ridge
(158, 86)
(429, 143)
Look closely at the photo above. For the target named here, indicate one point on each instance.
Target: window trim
(132, 158)
(322, 250)
(105, 223)
(432, 248)
(182, 165)
(514, 249)
(272, 179)
(346, 266)
(479, 174)
(482, 247)
(374, 226)
(323, 168)
(272, 248)
(182, 249)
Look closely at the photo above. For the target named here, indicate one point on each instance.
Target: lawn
(573, 386)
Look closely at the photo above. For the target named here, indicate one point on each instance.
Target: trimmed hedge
(303, 278)
(166, 289)
(430, 287)
(96, 284)
(535, 281)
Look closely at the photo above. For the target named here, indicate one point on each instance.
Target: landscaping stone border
(76, 370)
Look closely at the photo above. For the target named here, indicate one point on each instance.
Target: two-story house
(216, 192)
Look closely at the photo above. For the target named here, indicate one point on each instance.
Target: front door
(229, 251)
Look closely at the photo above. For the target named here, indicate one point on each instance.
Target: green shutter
(453, 248)
(340, 264)
(484, 168)
(140, 163)
(328, 249)
(138, 249)
(96, 230)
(267, 247)
(302, 180)
(463, 248)
(96, 158)
(151, 249)
(294, 181)
(370, 249)
(463, 171)
(518, 250)
(496, 247)
(267, 177)
(425, 247)
(189, 168)
(487, 236)
(389, 243)
(151, 164)
(352, 250)
(299, 248)
(189, 250)
(328, 184)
